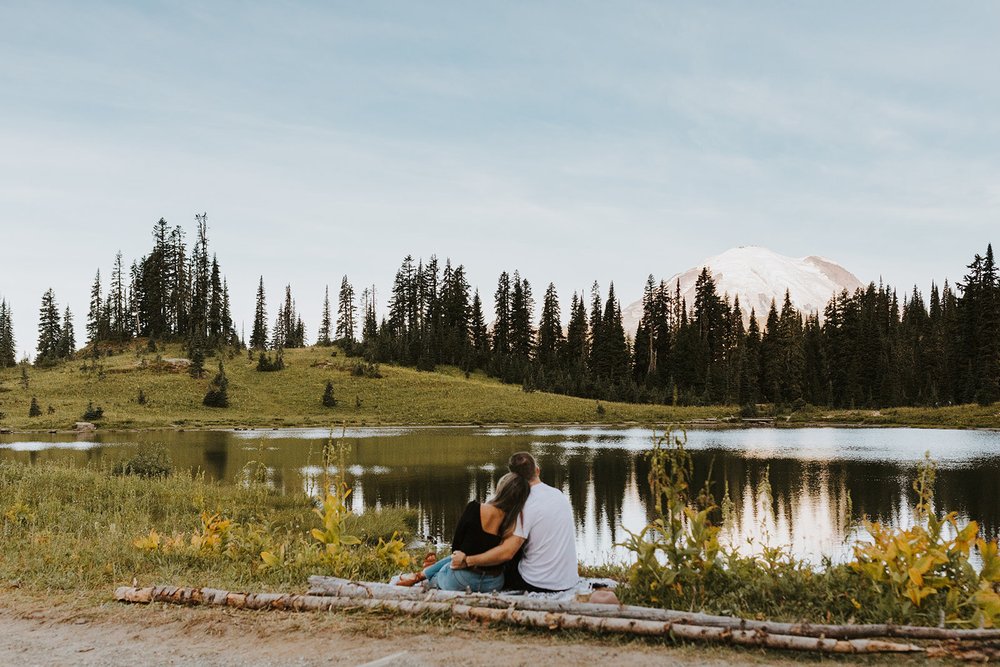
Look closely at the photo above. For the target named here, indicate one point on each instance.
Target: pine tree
(216, 326)
(95, 315)
(117, 321)
(34, 410)
(577, 351)
(258, 339)
(8, 349)
(218, 390)
(550, 333)
(328, 400)
(478, 333)
(49, 330)
(346, 312)
(67, 337)
(323, 334)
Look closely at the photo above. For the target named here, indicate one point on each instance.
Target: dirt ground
(34, 631)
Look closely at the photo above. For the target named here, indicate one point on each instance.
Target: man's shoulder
(543, 493)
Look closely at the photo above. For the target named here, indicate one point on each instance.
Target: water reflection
(807, 489)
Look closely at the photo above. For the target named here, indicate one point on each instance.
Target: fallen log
(319, 585)
(537, 619)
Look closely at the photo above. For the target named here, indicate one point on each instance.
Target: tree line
(871, 348)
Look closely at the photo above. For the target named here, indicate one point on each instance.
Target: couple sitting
(521, 539)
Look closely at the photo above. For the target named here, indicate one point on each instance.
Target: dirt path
(33, 632)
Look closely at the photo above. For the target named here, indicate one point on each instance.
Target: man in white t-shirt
(545, 529)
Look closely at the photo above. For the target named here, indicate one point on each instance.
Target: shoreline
(692, 425)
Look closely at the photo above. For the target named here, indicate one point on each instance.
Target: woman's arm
(498, 555)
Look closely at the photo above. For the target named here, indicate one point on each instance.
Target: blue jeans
(440, 575)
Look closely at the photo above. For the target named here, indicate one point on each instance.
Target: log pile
(372, 590)
(496, 609)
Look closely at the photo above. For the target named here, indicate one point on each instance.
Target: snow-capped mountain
(758, 275)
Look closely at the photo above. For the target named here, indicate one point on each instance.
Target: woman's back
(478, 527)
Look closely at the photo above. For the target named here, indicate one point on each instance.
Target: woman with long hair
(481, 527)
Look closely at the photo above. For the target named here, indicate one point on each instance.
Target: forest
(871, 349)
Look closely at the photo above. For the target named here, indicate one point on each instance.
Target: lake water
(809, 489)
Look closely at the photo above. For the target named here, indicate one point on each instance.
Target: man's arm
(498, 555)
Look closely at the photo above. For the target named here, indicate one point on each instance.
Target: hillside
(291, 397)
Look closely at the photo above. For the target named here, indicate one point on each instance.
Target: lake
(809, 489)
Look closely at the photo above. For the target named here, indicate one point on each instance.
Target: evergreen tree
(522, 334)
(34, 410)
(323, 334)
(95, 315)
(258, 339)
(218, 390)
(117, 321)
(67, 337)
(478, 333)
(49, 330)
(577, 349)
(550, 333)
(328, 399)
(8, 349)
(346, 312)
(217, 327)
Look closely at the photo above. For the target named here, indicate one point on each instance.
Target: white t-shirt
(550, 551)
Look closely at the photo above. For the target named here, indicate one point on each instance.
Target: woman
(481, 527)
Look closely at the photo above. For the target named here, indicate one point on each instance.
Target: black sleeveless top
(470, 538)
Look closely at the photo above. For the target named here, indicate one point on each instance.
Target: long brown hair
(510, 496)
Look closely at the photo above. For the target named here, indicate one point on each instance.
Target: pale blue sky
(573, 141)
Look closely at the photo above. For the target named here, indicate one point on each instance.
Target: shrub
(34, 410)
(266, 365)
(141, 398)
(366, 369)
(92, 413)
(146, 463)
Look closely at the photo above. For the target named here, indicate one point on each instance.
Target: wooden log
(375, 590)
(537, 619)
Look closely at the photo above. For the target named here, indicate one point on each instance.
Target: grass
(293, 397)
(67, 529)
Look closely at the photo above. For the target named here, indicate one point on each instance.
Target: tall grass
(84, 529)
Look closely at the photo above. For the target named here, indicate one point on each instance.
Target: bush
(266, 365)
(147, 463)
(366, 369)
(34, 410)
(92, 413)
(141, 398)
(748, 411)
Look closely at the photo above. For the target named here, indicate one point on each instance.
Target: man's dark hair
(523, 464)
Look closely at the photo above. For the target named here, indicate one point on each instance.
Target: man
(545, 529)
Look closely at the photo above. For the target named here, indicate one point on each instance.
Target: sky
(572, 141)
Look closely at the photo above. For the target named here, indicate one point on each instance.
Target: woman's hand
(458, 560)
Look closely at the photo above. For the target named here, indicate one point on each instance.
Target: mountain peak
(758, 275)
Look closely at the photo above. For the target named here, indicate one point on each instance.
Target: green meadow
(293, 396)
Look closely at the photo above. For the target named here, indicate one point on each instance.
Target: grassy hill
(291, 397)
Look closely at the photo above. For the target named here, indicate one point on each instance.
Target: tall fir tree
(323, 333)
(346, 312)
(8, 347)
(49, 330)
(259, 338)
